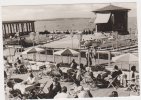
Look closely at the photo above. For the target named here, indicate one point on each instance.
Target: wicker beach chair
(113, 83)
(40, 88)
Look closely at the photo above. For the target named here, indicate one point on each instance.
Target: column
(17, 27)
(27, 27)
(22, 27)
(10, 28)
(13, 26)
(32, 25)
(4, 30)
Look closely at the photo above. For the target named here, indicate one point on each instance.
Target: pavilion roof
(111, 8)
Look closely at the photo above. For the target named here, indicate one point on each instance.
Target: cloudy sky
(35, 12)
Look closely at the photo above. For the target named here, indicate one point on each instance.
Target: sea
(75, 24)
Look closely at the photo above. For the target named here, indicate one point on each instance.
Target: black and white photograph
(79, 50)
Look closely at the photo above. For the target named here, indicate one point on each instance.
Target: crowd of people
(78, 74)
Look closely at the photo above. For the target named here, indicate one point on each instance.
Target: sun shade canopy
(125, 58)
(33, 50)
(102, 18)
(66, 52)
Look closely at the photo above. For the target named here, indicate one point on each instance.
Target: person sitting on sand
(76, 89)
(133, 76)
(115, 75)
(54, 88)
(89, 77)
(84, 93)
(114, 94)
(79, 74)
(63, 93)
(21, 67)
(21, 59)
(30, 80)
(17, 68)
(73, 64)
(58, 69)
(18, 60)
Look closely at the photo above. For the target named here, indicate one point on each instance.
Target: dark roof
(17, 21)
(110, 8)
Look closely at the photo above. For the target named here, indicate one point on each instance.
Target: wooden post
(109, 59)
(96, 28)
(88, 58)
(39, 56)
(62, 58)
(98, 57)
(129, 77)
(116, 40)
(46, 53)
(80, 39)
(53, 56)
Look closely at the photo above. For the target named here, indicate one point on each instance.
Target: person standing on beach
(94, 54)
(88, 58)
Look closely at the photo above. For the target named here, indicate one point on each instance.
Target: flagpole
(80, 39)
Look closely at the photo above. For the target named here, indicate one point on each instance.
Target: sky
(36, 12)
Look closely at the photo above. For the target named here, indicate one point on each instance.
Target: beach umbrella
(128, 57)
(66, 52)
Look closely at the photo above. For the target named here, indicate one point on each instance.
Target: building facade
(10, 28)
